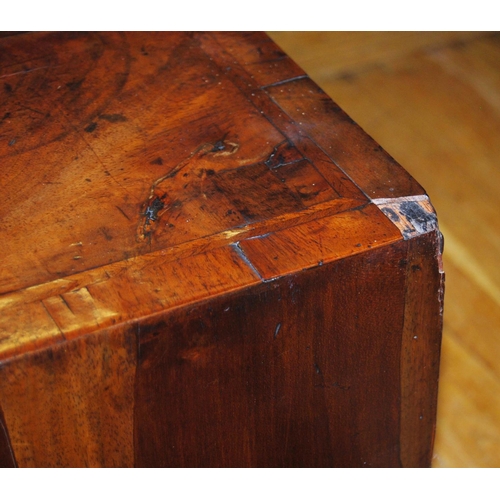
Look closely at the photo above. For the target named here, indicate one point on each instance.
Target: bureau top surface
(120, 150)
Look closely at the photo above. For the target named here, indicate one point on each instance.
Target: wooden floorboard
(432, 100)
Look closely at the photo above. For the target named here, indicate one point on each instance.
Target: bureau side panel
(71, 405)
(301, 371)
(421, 347)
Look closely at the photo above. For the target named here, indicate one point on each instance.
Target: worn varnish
(432, 99)
(206, 262)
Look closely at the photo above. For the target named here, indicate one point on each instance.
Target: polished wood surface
(206, 263)
(433, 100)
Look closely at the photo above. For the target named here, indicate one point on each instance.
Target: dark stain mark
(306, 196)
(144, 52)
(246, 212)
(106, 233)
(283, 154)
(91, 127)
(72, 86)
(113, 118)
(96, 52)
(219, 146)
(210, 172)
(151, 212)
(419, 218)
(275, 161)
(342, 387)
(278, 157)
(276, 331)
(7, 87)
(6, 116)
(157, 161)
(416, 267)
(357, 245)
(391, 214)
(88, 180)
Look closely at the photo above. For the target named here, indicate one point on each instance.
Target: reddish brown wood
(205, 262)
(219, 391)
(7, 459)
(421, 349)
(72, 405)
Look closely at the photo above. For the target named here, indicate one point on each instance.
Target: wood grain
(202, 267)
(218, 391)
(72, 405)
(432, 100)
(421, 349)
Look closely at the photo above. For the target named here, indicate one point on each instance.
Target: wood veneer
(206, 263)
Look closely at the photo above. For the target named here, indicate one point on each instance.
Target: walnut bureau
(205, 263)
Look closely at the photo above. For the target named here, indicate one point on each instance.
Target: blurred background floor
(432, 100)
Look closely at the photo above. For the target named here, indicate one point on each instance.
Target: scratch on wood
(77, 311)
(53, 319)
(23, 106)
(159, 201)
(284, 153)
(123, 213)
(25, 71)
(276, 331)
(245, 259)
(288, 80)
(63, 300)
(113, 118)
